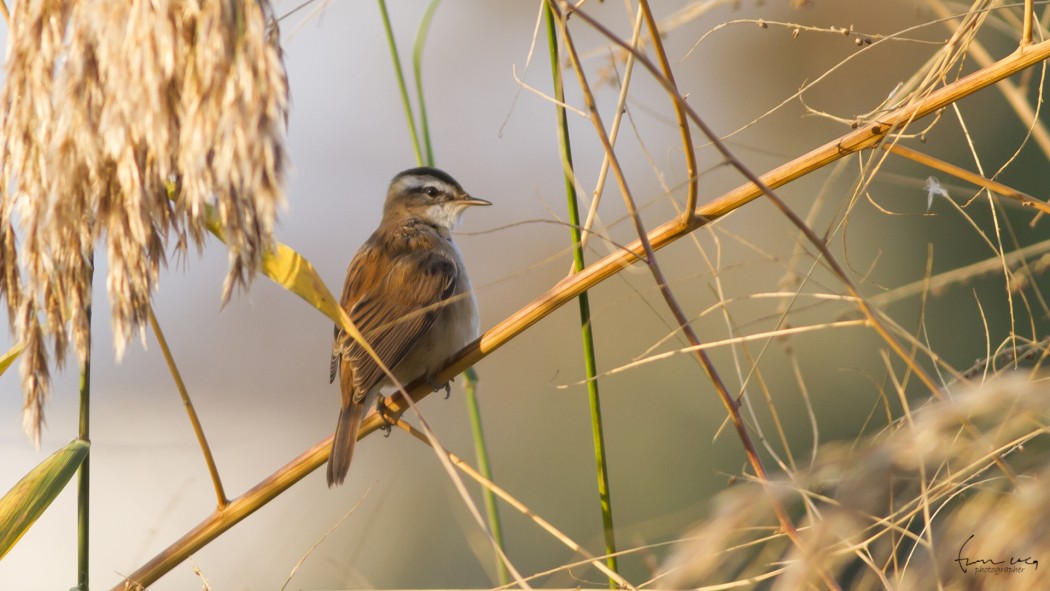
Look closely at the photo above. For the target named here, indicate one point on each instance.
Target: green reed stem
(425, 157)
(84, 474)
(417, 71)
(481, 451)
(400, 74)
(590, 363)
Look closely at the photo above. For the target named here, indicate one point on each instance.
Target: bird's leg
(382, 410)
(447, 386)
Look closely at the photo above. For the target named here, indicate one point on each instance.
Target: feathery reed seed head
(861, 510)
(131, 123)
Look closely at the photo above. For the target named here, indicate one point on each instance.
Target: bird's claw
(382, 410)
(447, 387)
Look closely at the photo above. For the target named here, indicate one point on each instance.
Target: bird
(408, 293)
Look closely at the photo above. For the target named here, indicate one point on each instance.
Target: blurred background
(257, 369)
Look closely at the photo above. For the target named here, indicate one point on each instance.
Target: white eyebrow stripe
(419, 183)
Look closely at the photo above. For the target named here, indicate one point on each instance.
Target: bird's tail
(344, 441)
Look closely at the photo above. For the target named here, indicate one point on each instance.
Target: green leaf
(28, 499)
(8, 358)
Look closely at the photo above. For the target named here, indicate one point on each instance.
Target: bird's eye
(431, 191)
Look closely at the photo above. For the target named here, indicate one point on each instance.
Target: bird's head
(428, 194)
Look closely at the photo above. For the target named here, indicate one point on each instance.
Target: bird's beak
(466, 200)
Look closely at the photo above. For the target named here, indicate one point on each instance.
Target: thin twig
(1029, 15)
(520, 507)
(942, 281)
(679, 112)
(198, 430)
(324, 537)
(959, 172)
(614, 130)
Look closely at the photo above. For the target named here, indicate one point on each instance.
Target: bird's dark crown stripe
(424, 171)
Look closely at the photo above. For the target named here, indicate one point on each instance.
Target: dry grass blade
(680, 115)
(942, 281)
(332, 529)
(521, 507)
(91, 138)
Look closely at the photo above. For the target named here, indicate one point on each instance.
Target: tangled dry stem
(127, 123)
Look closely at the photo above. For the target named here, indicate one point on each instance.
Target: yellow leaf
(8, 358)
(293, 272)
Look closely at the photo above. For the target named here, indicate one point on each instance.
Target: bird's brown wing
(395, 301)
(367, 268)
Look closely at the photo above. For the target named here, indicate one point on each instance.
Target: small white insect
(933, 187)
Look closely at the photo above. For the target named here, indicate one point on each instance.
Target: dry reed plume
(897, 511)
(134, 124)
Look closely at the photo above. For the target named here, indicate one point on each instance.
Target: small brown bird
(408, 293)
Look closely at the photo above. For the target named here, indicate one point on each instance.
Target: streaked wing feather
(361, 267)
(337, 356)
(401, 308)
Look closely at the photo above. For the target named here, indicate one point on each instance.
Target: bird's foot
(447, 386)
(383, 412)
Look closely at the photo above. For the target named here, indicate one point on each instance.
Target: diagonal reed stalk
(586, 331)
(862, 138)
(655, 37)
(198, 429)
(876, 132)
